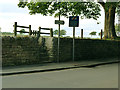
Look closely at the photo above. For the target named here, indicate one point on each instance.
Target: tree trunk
(109, 28)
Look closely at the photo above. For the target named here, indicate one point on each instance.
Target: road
(105, 76)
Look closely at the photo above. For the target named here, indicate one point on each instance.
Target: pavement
(45, 67)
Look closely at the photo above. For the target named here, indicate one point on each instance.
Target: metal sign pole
(73, 43)
(74, 22)
(59, 22)
(58, 41)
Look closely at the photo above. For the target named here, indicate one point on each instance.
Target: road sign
(74, 21)
(59, 22)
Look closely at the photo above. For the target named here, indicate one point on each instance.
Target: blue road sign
(74, 21)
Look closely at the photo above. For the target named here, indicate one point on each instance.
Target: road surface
(105, 76)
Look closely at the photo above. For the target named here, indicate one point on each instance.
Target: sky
(10, 13)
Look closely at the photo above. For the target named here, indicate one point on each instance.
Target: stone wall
(25, 50)
(87, 49)
(22, 50)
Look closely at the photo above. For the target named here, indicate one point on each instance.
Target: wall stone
(86, 49)
(22, 50)
(29, 50)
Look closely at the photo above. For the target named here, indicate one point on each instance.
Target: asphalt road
(105, 76)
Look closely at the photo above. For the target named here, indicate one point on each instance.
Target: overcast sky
(10, 13)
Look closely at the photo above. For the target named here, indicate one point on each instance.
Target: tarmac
(45, 67)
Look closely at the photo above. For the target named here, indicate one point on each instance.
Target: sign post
(59, 41)
(59, 22)
(73, 22)
(73, 43)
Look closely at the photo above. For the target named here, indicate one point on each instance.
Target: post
(101, 34)
(30, 30)
(81, 33)
(35, 33)
(58, 41)
(51, 32)
(39, 30)
(73, 43)
(15, 29)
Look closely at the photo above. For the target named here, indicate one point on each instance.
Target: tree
(117, 28)
(83, 9)
(109, 8)
(92, 33)
(22, 31)
(62, 32)
(7, 34)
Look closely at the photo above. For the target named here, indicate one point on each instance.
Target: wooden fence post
(101, 34)
(35, 33)
(51, 32)
(39, 30)
(30, 32)
(81, 33)
(15, 29)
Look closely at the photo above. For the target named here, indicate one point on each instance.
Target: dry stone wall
(19, 51)
(30, 50)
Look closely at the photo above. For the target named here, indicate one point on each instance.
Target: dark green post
(81, 33)
(15, 29)
(35, 33)
(39, 30)
(101, 34)
(30, 32)
(51, 32)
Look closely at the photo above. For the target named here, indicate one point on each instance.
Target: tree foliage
(83, 9)
(117, 27)
(93, 33)
(22, 31)
(62, 32)
(7, 33)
